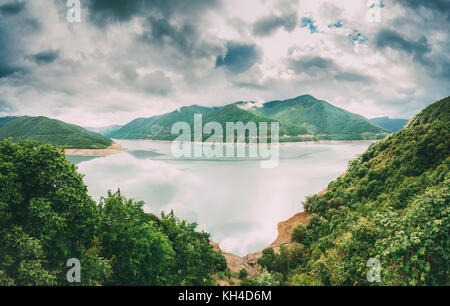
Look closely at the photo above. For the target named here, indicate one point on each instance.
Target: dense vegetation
(158, 127)
(318, 117)
(51, 131)
(393, 125)
(301, 119)
(47, 217)
(392, 205)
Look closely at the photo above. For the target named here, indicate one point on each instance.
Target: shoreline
(249, 262)
(113, 149)
(280, 143)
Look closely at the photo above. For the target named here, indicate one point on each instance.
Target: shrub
(298, 232)
(243, 273)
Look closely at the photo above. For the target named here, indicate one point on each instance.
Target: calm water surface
(238, 202)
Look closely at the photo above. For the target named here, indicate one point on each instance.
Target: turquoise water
(238, 202)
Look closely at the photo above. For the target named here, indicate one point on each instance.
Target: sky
(140, 58)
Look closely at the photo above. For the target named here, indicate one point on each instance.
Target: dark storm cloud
(174, 24)
(45, 57)
(6, 107)
(107, 11)
(312, 65)
(420, 50)
(15, 28)
(324, 67)
(439, 7)
(184, 37)
(11, 8)
(161, 32)
(7, 69)
(268, 25)
(239, 57)
(387, 38)
(8, 62)
(103, 12)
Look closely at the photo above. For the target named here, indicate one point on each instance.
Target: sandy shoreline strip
(113, 149)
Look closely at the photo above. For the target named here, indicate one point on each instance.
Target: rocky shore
(250, 261)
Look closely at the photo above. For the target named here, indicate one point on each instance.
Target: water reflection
(239, 203)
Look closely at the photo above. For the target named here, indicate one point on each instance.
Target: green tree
(243, 273)
(195, 261)
(46, 215)
(139, 252)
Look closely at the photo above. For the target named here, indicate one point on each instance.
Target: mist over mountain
(104, 129)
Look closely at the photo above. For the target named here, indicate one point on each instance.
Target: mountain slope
(158, 127)
(301, 118)
(320, 117)
(393, 125)
(391, 205)
(51, 131)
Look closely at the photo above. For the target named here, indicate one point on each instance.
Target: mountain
(393, 125)
(390, 208)
(319, 117)
(104, 129)
(51, 131)
(301, 118)
(158, 127)
(6, 120)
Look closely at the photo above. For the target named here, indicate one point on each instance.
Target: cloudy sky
(138, 58)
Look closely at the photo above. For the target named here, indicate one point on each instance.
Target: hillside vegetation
(391, 205)
(301, 118)
(47, 217)
(158, 127)
(51, 131)
(319, 117)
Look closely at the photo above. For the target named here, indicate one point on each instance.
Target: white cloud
(111, 74)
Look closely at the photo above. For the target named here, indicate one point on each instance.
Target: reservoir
(236, 201)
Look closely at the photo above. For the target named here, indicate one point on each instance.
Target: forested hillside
(319, 117)
(302, 118)
(51, 131)
(158, 127)
(47, 217)
(392, 205)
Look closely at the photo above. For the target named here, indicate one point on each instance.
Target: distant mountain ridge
(390, 124)
(300, 118)
(51, 131)
(103, 129)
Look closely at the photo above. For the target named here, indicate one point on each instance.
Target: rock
(250, 261)
(285, 228)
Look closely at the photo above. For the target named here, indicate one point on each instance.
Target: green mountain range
(393, 125)
(301, 118)
(51, 131)
(390, 207)
(158, 127)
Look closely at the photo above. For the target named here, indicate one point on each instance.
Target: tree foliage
(47, 217)
(391, 205)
